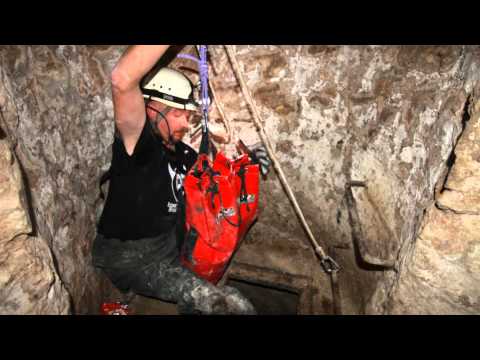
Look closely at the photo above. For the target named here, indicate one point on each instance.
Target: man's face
(178, 120)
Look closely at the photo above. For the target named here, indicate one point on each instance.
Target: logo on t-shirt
(176, 178)
(172, 207)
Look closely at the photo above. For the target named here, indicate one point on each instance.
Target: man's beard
(156, 132)
(178, 135)
(172, 137)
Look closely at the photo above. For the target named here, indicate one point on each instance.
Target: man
(140, 229)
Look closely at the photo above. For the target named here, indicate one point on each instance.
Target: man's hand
(259, 156)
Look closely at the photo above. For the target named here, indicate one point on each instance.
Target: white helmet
(171, 88)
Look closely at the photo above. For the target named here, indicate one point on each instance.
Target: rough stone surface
(29, 283)
(386, 115)
(442, 275)
(57, 113)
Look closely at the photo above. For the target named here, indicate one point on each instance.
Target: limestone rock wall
(57, 112)
(441, 274)
(386, 115)
(29, 282)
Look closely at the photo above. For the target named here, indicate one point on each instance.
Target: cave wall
(441, 271)
(29, 282)
(57, 113)
(386, 115)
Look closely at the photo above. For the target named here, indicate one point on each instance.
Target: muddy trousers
(170, 281)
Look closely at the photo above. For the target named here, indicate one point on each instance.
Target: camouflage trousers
(166, 279)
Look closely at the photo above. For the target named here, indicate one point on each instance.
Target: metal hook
(329, 265)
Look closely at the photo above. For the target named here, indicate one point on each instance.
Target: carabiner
(329, 265)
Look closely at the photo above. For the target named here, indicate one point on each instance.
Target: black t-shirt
(145, 187)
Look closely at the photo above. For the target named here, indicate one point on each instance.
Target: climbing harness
(221, 199)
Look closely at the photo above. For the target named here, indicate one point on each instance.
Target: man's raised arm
(128, 103)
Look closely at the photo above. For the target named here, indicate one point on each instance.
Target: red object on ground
(221, 204)
(114, 308)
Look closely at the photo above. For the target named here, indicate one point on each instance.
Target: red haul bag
(221, 202)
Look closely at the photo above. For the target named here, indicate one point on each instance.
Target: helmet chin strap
(170, 137)
(169, 141)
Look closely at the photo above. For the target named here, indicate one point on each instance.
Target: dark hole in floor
(142, 305)
(268, 300)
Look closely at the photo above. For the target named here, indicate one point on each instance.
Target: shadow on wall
(28, 199)
(453, 157)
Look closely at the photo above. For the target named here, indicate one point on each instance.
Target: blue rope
(203, 70)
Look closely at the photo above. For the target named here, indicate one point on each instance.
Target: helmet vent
(172, 83)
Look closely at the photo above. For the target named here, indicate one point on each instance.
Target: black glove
(259, 156)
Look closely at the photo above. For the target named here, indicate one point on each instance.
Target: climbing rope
(219, 106)
(216, 99)
(328, 264)
(204, 98)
